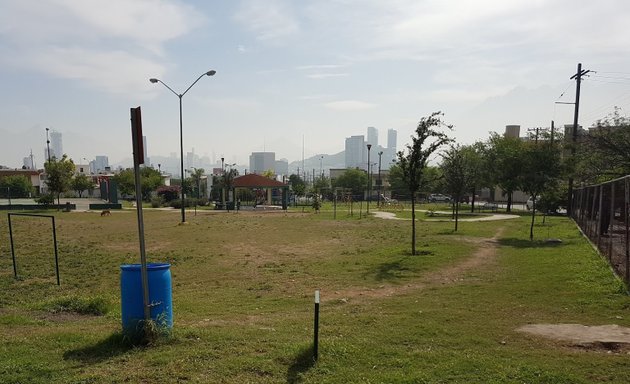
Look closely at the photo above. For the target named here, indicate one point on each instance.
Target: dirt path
(488, 217)
(451, 274)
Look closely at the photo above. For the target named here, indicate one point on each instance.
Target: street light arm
(164, 84)
(209, 73)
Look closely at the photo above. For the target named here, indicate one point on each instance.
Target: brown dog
(106, 212)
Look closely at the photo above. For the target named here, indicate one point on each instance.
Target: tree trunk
(472, 202)
(531, 227)
(509, 202)
(413, 224)
(456, 214)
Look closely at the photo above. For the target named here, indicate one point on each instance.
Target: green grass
(243, 288)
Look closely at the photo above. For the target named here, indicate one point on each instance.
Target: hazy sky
(287, 70)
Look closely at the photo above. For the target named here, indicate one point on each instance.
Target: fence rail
(602, 212)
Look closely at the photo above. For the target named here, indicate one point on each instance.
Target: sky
(298, 76)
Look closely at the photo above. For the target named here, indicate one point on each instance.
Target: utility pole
(578, 79)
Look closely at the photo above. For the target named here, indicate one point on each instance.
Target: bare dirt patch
(611, 337)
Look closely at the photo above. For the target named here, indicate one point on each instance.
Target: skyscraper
(260, 162)
(356, 152)
(372, 136)
(56, 145)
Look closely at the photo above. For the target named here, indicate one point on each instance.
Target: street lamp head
(211, 72)
(153, 80)
(380, 153)
(369, 146)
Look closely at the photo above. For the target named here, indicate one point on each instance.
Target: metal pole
(181, 149)
(12, 249)
(316, 328)
(56, 254)
(48, 144)
(380, 181)
(369, 188)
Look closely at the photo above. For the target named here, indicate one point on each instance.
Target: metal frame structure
(54, 240)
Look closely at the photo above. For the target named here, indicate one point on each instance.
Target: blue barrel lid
(150, 266)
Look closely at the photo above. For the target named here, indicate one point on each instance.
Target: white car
(530, 203)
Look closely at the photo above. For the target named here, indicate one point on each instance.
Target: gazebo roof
(253, 180)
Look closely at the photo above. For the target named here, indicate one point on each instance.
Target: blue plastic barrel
(160, 295)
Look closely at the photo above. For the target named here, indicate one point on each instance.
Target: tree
(457, 177)
(540, 172)
(604, 153)
(297, 185)
(195, 180)
(428, 140)
(150, 180)
(80, 183)
(59, 175)
(477, 170)
(504, 155)
(354, 179)
(16, 186)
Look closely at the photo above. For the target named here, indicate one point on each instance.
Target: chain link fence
(602, 213)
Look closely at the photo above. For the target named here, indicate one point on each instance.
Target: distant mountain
(338, 160)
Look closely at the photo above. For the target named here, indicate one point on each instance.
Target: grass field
(243, 288)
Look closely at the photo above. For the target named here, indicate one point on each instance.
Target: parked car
(438, 197)
(490, 206)
(530, 203)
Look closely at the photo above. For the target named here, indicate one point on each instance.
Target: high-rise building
(56, 145)
(390, 152)
(282, 167)
(356, 156)
(99, 164)
(147, 161)
(260, 162)
(372, 136)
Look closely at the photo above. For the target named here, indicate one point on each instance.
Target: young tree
(540, 172)
(504, 155)
(456, 176)
(80, 183)
(195, 180)
(476, 166)
(428, 139)
(59, 175)
(15, 186)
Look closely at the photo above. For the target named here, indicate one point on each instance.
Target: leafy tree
(504, 156)
(150, 180)
(297, 185)
(428, 139)
(321, 183)
(604, 153)
(16, 186)
(195, 181)
(80, 183)
(59, 175)
(354, 179)
(456, 175)
(540, 172)
(477, 169)
(269, 173)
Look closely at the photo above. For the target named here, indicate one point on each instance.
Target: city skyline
(289, 73)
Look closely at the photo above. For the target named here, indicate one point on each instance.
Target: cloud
(105, 45)
(325, 75)
(271, 20)
(349, 105)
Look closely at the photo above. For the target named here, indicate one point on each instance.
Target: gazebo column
(285, 196)
(269, 190)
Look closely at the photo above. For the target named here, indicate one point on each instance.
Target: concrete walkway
(488, 217)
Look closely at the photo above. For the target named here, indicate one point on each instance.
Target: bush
(168, 193)
(47, 199)
(156, 202)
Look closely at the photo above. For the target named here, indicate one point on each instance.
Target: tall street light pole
(48, 144)
(181, 130)
(369, 146)
(321, 170)
(223, 174)
(380, 182)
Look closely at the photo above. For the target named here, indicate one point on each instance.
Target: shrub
(168, 193)
(156, 202)
(46, 199)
